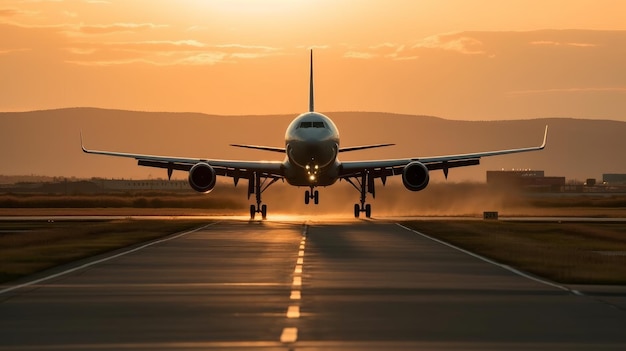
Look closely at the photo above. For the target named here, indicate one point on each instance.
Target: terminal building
(614, 179)
(526, 179)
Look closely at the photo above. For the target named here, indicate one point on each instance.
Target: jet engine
(202, 177)
(415, 176)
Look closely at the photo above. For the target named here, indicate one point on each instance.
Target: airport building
(527, 179)
(614, 179)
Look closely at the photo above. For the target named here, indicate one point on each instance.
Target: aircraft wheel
(368, 210)
(316, 197)
(252, 211)
(264, 211)
(307, 197)
(357, 210)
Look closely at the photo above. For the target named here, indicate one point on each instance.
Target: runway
(346, 285)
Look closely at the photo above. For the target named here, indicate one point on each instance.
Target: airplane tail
(311, 105)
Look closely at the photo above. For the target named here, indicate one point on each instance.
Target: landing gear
(257, 185)
(364, 184)
(254, 211)
(358, 209)
(308, 195)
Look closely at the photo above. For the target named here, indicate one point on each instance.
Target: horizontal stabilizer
(363, 147)
(264, 148)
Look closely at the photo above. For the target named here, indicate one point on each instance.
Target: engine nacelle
(415, 176)
(202, 177)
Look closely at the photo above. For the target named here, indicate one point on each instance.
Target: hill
(47, 142)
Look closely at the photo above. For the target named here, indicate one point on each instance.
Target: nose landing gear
(315, 195)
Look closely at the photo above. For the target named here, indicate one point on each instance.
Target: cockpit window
(319, 124)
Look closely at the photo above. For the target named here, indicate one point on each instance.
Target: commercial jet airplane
(311, 150)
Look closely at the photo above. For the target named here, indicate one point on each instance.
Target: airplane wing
(282, 149)
(362, 147)
(230, 168)
(259, 147)
(389, 167)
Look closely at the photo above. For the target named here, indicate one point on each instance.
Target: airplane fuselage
(312, 144)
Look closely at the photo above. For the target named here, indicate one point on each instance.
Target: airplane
(311, 160)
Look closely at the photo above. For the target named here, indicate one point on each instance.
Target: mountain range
(48, 142)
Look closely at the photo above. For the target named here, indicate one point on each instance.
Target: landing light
(312, 177)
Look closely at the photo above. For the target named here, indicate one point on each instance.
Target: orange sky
(455, 59)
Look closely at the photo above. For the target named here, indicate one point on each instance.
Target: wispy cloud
(165, 53)
(117, 27)
(10, 51)
(556, 43)
(390, 51)
(457, 42)
(13, 12)
(569, 90)
(359, 55)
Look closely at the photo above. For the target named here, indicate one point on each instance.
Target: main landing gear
(315, 195)
(364, 184)
(257, 184)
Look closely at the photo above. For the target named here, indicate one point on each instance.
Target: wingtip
(82, 146)
(545, 138)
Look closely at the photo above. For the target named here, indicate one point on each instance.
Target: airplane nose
(311, 154)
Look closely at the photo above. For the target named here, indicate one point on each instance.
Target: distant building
(150, 184)
(614, 179)
(527, 179)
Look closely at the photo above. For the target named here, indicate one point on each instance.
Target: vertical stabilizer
(311, 105)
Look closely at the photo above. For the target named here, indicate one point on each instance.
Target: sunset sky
(455, 59)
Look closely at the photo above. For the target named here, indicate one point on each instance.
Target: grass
(29, 247)
(568, 252)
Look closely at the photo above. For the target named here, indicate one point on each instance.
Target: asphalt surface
(353, 285)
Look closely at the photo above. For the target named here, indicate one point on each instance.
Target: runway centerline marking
(290, 334)
(293, 311)
(295, 295)
(105, 259)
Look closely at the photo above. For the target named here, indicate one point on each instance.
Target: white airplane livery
(311, 160)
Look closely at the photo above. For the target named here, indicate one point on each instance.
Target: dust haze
(438, 199)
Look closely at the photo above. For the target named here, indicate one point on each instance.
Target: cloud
(10, 51)
(117, 27)
(13, 12)
(457, 42)
(390, 51)
(556, 43)
(359, 55)
(569, 90)
(164, 53)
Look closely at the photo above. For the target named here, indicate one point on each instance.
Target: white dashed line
(297, 281)
(289, 335)
(293, 312)
(295, 295)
